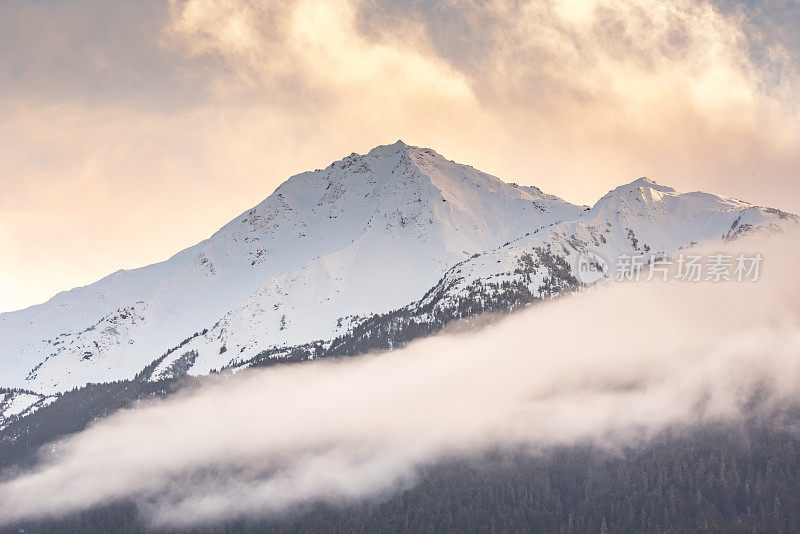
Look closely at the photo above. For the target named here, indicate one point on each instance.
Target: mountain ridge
(335, 225)
(332, 248)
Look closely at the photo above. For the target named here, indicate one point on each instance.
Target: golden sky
(133, 129)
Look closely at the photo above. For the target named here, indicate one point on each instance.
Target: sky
(130, 130)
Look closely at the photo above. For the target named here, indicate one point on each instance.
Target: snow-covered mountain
(330, 253)
(641, 219)
(365, 235)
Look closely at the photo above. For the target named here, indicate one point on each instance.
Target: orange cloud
(575, 96)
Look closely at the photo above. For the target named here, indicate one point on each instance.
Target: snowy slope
(19, 403)
(400, 228)
(367, 234)
(640, 219)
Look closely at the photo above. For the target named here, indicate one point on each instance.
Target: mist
(612, 366)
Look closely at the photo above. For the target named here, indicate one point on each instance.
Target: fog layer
(613, 366)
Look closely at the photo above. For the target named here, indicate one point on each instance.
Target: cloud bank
(612, 366)
(122, 120)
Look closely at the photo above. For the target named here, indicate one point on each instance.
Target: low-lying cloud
(613, 366)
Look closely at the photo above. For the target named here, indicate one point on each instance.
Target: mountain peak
(643, 188)
(647, 183)
(400, 148)
(643, 180)
(393, 148)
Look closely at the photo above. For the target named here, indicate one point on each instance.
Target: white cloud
(575, 97)
(613, 366)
